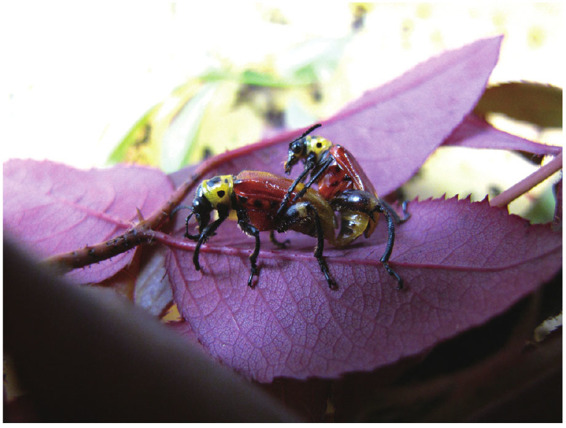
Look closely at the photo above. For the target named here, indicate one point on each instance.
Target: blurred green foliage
(534, 103)
(229, 107)
(224, 109)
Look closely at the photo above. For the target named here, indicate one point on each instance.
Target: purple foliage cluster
(463, 262)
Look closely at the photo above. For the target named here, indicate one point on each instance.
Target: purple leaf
(398, 125)
(477, 133)
(52, 208)
(152, 288)
(391, 130)
(292, 324)
(463, 263)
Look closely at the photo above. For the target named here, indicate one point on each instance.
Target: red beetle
(342, 181)
(255, 197)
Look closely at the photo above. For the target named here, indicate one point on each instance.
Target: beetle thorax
(218, 190)
(317, 145)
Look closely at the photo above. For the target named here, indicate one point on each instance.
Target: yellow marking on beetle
(317, 145)
(218, 190)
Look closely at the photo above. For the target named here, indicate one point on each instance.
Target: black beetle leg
(294, 214)
(406, 213)
(253, 231)
(318, 251)
(178, 208)
(393, 213)
(276, 242)
(292, 187)
(389, 247)
(187, 234)
(205, 234)
(313, 179)
(187, 207)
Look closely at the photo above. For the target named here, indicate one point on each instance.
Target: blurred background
(168, 83)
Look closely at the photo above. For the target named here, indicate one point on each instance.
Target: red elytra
(255, 197)
(261, 193)
(344, 172)
(344, 184)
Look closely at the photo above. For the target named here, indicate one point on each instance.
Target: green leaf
(179, 137)
(535, 103)
(256, 78)
(143, 143)
(138, 134)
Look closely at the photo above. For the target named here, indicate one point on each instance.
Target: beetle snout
(291, 161)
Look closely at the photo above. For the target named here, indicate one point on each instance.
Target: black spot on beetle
(258, 203)
(221, 193)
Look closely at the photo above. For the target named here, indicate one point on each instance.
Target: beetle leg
(314, 178)
(360, 201)
(248, 228)
(185, 207)
(299, 179)
(389, 247)
(207, 232)
(178, 208)
(406, 213)
(276, 242)
(393, 213)
(253, 231)
(202, 221)
(187, 234)
(318, 251)
(295, 214)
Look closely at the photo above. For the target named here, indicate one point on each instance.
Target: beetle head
(213, 194)
(298, 149)
(201, 208)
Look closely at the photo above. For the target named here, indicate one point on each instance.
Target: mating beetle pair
(267, 202)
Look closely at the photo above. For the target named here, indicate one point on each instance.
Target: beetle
(254, 197)
(342, 181)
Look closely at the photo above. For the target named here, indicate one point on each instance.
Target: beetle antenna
(187, 234)
(307, 132)
(178, 208)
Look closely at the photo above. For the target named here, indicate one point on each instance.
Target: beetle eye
(196, 205)
(297, 148)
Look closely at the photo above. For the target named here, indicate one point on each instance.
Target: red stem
(523, 186)
(145, 231)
